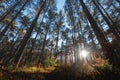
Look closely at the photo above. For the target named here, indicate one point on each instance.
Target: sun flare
(84, 54)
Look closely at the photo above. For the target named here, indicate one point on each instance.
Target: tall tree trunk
(100, 36)
(1, 28)
(109, 18)
(17, 38)
(118, 1)
(61, 54)
(10, 50)
(19, 53)
(107, 21)
(56, 47)
(43, 47)
(73, 32)
(107, 15)
(10, 10)
(8, 25)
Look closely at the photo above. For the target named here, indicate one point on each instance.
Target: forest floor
(60, 73)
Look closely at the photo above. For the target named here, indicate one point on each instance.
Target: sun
(84, 54)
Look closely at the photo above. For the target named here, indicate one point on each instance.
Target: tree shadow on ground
(7, 75)
(61, 73)
(71, 73)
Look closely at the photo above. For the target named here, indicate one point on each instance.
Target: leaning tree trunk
(19, 53)
(58, 29)
(17, 38)
(118, 1)
(43, 47)
(108, 22)
(10, 10)
(111, 21)
(100, 36)
(8, 25)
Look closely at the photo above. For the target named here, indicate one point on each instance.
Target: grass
(103, 71)
(25, 73)
(36, 69)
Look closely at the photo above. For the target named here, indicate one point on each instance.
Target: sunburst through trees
(83, 36)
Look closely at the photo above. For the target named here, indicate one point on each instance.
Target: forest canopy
(36, 32)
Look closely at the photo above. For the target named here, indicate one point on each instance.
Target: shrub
(50, 61)
(10, 67)
(53, 61)
(104, 68)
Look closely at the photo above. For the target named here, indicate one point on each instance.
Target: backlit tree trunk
(100, 36)
(108, 22)
(19, 53)
(8, 25)
(43, 47)
(10, 10)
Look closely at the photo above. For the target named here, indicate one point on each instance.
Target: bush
(10, 67)
(53, 61)
(104, 68)
(50, 61)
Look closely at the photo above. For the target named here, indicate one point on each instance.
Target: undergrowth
(103, 71)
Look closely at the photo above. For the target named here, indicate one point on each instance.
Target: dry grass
(101, 71)
(36, 69)
(26, 73)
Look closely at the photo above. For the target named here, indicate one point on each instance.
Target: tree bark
(43, 47)
(8, 25)
(19, 53)
(10, 10)
(107, 21)
(100, 36)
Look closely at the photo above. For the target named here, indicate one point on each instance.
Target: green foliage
(11, 68)
(46, 62)
(106, 67)
(6, 20)
(51, 61)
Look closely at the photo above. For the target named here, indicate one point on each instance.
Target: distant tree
(59, 24)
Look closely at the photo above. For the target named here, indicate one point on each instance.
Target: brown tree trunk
(19, 53)
(107, 21)
(8, 25)
(43, 47)
(100, 36)
(56, 47)
(10, 10)
(118, 1)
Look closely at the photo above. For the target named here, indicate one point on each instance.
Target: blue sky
(60, 4)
